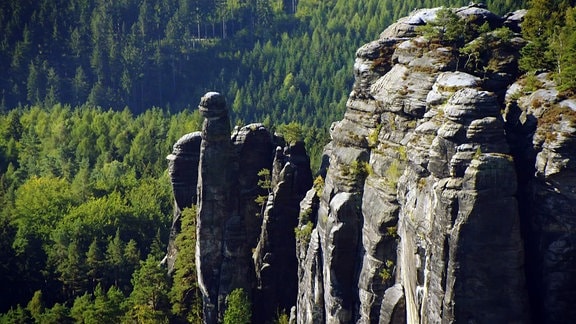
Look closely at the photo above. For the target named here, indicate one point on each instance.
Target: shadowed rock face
(436, 207)
(219, 172)
(183, 170)
(542, 129)
(214, 174)
(275, 256)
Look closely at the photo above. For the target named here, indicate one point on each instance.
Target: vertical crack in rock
(236, 246)
(421, 190)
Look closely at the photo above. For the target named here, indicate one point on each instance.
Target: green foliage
(541, 22)
(373, 136)
(360, 169)
(185, 294)
(446, 28)
(16, 315)
(238, 308)
(292, 132)
(478, 153)
(265, 182)
(392, 231)
(393, 173)
(318, 185)
(99, 307)
(531, 83)
(83, 189)
(550, 28)
(58, 314)
(36, 305)
(148, 302)
(282, 318)
(563, 45)
(479, 51)
(387, 270)
(304, 233)
(78, 215)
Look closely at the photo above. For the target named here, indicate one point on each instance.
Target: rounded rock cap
(213, 104)
(187, 144)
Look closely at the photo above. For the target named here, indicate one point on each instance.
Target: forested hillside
(270, 57)
(94, 94)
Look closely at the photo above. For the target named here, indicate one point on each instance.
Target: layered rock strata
(542, 127)
(419, 220)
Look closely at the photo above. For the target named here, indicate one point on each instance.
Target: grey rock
(183, 170)
(214, 172)
(432, 228)
(275, 256)
(406, 27)
(219, 172)
(393, 309)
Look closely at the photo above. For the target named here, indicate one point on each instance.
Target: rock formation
(447, 192)
(219, 172)
(432, 197)
(183, 170)
(542, 127)
(275, 256)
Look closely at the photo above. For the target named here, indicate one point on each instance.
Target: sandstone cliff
(447, 196)
(237, 245)
(448, 184)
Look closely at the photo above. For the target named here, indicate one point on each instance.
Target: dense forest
(95, 92)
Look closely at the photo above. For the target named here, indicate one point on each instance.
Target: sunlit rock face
(449, 192)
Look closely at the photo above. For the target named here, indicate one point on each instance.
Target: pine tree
(115, 260)
(148, 302)
(95, 263)
(36, 305)
(185, 294)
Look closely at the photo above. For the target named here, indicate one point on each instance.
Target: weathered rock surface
(183, 170)
(448, 194)
(219, 172)
(214, 196)
(542, 128)
(435, 206)
(275, 255)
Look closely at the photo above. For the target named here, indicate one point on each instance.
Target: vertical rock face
(436, 207)
(214, 174)
(183, 169)
(220, 172)
(275, 257)
(448, 193)
(542, 125)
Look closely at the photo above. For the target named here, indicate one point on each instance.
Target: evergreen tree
(36, 306)
(148, 302)
(115, 260)
(185, 295)
(238, 308)
(95, 263)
